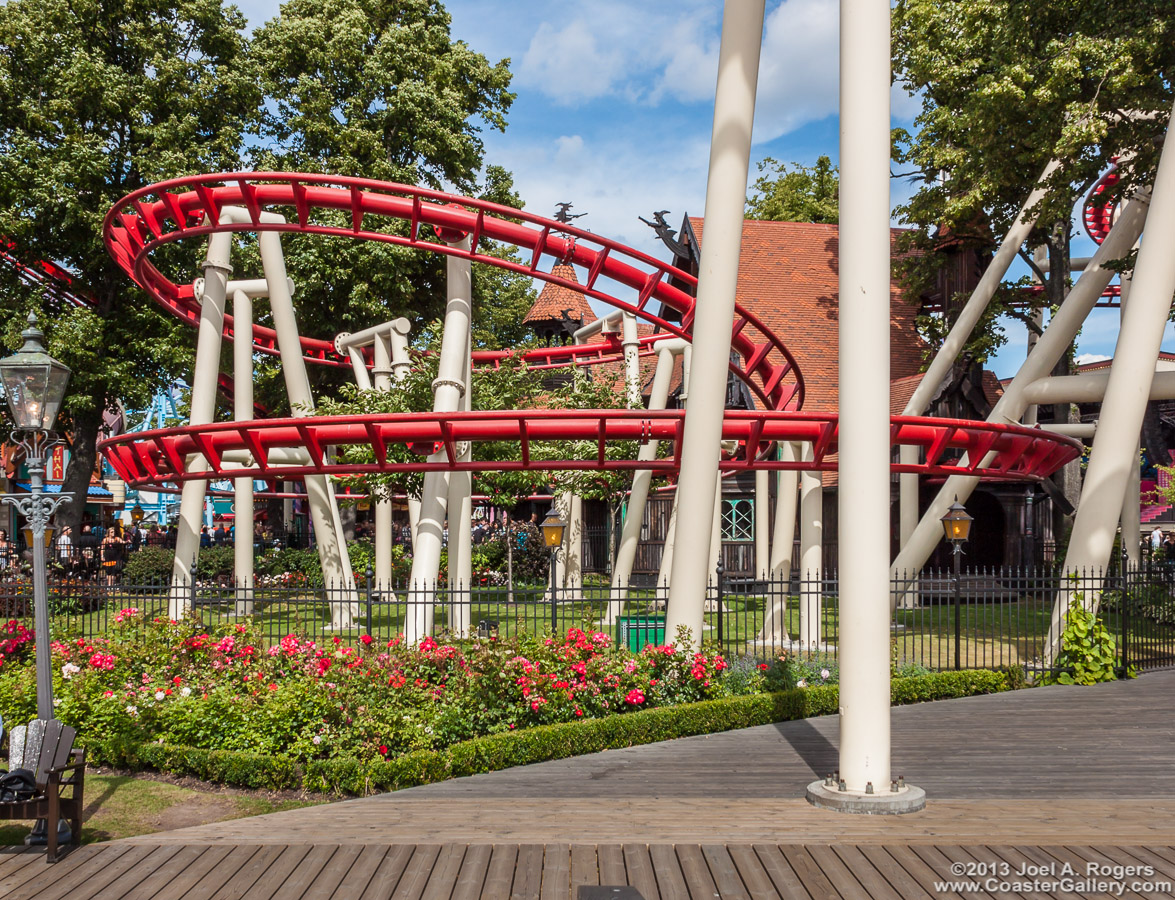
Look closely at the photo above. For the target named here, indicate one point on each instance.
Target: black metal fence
(982, 619)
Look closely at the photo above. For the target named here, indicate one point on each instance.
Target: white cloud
(569, 64)
(798, 74)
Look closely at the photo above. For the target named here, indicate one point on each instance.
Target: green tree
(379, 89)
(1007, 86)
(795, 193)
(97, 99)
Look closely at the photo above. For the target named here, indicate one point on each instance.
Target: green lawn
(119, 806)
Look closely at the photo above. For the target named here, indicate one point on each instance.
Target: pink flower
(635, 697)
(428, 645)
(102, 661)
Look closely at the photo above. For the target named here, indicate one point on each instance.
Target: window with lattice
(738, 519)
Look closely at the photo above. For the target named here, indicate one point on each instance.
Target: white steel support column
(726, 188)
(1127, 393)
(1055, 341)
(638, 497)
(864, 439)
(448, 389)
(811, 554)
(762, 524)
(784, 536)
(324, 513)
(1132, 503)
(401, 364)
(715, 534)
(382, 381)
(243, 487)
(217, 269)
(460, 510)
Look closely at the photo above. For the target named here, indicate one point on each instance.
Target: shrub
(539, 744)
(148, 565)
(1089, 652)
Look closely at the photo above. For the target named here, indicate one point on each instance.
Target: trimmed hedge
(540, 744)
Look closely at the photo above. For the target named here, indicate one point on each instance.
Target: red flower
(365, 639)
(383, 749)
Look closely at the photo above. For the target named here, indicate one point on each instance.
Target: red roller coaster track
(193, 208)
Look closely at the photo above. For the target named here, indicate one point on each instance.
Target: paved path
(1040, 778)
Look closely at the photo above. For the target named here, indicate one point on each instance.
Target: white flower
(159, 695)
(317, 739)
(824, 673)
(802, 683)
(133, 710)
(69, 670)
(56, 701)
(185, 692)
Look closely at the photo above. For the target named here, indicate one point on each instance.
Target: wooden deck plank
(670, 881)
(834, 869)
(916, 866)
(353, 883)
(750, 870)
(224, 861)
(445, 871)
(979, 857)
(387, 874)
(787, 883)
(162, 875)
(332, 874)
(585, 868)
(416, 874)
(938, 859)
(1017, 862)
(815, 882)
(246, 876)
(14, 861)
(639, 867)
(500, 872)
(528, 873)
(77, 861)
(610, 858)
(1110, 857)
(94, 890)
(695, 872)
(106, 870)
(1065, 854)
(874, 882)
(1164, 868)
(903, 883)
(557, 872)
(725, 873)
(473, 873)
(1163, 852)
(306, 872)
(270, 879)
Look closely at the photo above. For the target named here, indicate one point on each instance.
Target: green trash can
(636, 631)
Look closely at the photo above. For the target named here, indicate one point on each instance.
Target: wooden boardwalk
(1048, 782)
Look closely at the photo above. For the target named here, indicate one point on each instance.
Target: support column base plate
(888, 803)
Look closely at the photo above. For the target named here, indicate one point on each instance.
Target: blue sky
(615, 101)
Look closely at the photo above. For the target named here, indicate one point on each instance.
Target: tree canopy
(98, 99)
(1006, 86)
(793, 193)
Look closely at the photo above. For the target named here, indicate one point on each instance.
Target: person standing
(113, 549)
(7, 551)
(64, 547)
(1156, 539)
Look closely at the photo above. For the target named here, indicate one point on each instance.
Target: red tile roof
(788, 277)
(556, 301)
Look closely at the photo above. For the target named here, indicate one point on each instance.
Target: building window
(738, 519)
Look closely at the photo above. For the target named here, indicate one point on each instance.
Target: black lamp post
(553, 527)
(34, 385)
(956, 524)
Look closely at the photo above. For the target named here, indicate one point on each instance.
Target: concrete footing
(906, 799)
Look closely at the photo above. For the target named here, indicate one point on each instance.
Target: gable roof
(787, 276)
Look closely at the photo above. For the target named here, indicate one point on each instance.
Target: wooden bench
(46, 749)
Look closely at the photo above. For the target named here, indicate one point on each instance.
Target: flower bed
(163, 681)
